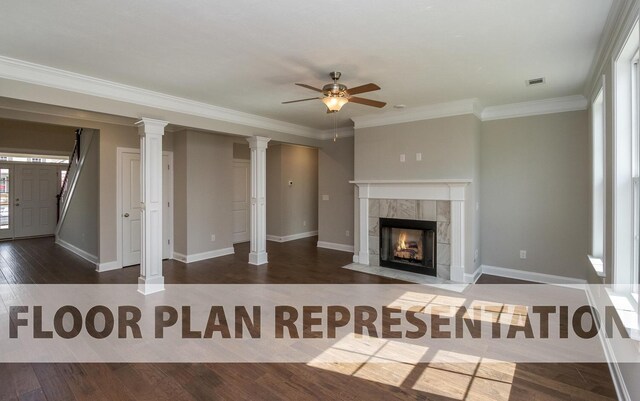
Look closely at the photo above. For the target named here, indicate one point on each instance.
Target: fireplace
(408, 245)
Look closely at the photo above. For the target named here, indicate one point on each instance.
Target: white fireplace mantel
(452, 190)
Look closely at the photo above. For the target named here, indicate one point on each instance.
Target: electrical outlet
(213, 238)
(475, 255)
(418, 157)
(523, 254)
(304, 223)
(403, 158)
(347, 233)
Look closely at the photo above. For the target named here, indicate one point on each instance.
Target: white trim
(335, 246)
(438, 110)
(535, 108)
(530, 276)
(292, 237)
(344, 132)
(119, 152)
(473, 277)
(23, 71)
(614, 368)
(105, 267)
(83, 254)
(196, 257)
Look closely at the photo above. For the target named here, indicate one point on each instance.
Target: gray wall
(36, 137)
(290, 207)
(241, 151)
(446, 144)
(335, 170)
(202, 199)
(80, 226)
(535, 193)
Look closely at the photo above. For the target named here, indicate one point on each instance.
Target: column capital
(151, 126)
(258, 142)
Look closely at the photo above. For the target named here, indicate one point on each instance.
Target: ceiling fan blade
(301, 100)
(363, 89)
(367, 102)
(309, 87)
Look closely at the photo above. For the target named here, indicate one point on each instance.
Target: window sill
(626, 304)
(598, 266)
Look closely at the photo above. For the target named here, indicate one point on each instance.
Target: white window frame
(598, 179)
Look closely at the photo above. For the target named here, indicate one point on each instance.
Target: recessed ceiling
(246, 55)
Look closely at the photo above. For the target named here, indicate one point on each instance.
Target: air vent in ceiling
(535, 81)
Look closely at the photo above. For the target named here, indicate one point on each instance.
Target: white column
(151, 132)
(457, 241)
(363, 252)
(258, 253)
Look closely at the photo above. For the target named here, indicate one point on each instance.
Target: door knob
(126, 215)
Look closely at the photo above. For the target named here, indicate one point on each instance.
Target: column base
(150, 285)
(363, 258)
(457, 273)
(258, 258)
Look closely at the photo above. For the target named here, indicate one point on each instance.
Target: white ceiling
(246, 54)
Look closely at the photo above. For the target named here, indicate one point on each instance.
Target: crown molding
(439, 110)
(37, 74)
(535, 108)
(343, 132)
(622, 16)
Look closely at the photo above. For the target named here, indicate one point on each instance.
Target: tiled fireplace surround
(430, 210)
(442, 201)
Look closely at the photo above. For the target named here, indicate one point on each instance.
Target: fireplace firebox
(408, 245)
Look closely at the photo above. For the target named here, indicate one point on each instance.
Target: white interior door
(130, 193)
(241, 199)
(35, 200)
(6, 204)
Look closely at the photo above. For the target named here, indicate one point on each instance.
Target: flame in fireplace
(401, 241)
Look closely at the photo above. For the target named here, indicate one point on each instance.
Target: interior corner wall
(206, 167)
(292, 209)
(335, 170)
(80, 226)
(179, 192)
(535, 193)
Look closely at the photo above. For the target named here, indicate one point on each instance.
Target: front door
(131, 211)
(241, 199)
(35, 200)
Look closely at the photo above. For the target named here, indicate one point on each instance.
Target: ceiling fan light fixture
(335, 103)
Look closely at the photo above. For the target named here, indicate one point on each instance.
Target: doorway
(241, 200)
(28, 200)
(129, 222)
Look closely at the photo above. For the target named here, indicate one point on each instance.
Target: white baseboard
(293, 237)
(334, 246)
(196, 257)
(105, 267)
(473, 277)
(83, 254)
(614, 368)
(356, 259)
(530, 276)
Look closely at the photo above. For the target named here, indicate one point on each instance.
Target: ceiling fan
(335, 95)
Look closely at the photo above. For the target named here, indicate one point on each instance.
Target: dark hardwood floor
(41, 261)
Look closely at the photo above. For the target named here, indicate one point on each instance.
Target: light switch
(325, 197)
(402, 158)
(418, 157)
